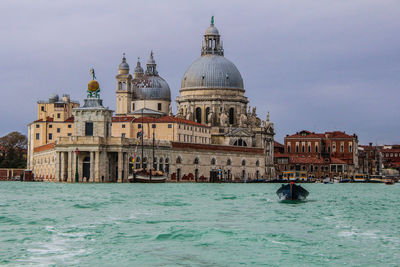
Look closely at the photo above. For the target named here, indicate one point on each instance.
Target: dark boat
(144, 176)
(292, 192)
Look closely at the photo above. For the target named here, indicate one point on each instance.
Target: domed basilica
(215, 135)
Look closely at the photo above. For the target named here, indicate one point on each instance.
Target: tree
(14, 148)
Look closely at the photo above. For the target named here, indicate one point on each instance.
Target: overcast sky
(316, 65)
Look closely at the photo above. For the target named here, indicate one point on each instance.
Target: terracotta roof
(44, 147)
(167, 119)
(308, 134)
(334, 134)
(277, 144)
(70, 119)
(192, 146)
(306, 160)
(50, 119)
(337, 161)
(391, 150)
(123, 119)
(280, 155)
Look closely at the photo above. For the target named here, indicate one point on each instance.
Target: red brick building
(391, 157)
(320, 154)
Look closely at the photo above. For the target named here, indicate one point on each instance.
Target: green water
(48, 224)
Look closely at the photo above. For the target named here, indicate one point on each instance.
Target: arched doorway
(86, 168)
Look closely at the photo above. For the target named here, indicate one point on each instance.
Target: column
(120, 166)
(62, 173)
(97, 167)
(70, 167)
(91, 166)
(58, 167)
(126, 167)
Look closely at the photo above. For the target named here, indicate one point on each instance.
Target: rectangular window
(50, 136)
(89, 128)
(123, 135)
(159, 106)
(50, 126)
(37, 125)
(58, 115)
(42, 108)
(123, 125)
(69, 125)
(169, 125)
(139, 126)
(58, 130)
(153, 126)
(37, 136)
(69, 134)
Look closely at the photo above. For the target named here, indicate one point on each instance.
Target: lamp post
(76, 170)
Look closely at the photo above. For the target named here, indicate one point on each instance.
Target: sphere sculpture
(93, 86)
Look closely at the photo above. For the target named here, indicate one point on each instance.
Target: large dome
(212, 71)
(151, 87)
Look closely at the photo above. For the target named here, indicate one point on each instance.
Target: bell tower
(123, 88)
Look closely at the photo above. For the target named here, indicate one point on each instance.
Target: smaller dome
(123, 65)
(212, 30)
(93, 86)
(138, 68)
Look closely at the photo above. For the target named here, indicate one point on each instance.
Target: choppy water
(44, 224)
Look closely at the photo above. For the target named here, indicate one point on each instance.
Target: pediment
(240, 132)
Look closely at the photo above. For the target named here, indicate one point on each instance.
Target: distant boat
(360, 178)
(376, 179)
(292, 191)
(389, 181)
(143, 176)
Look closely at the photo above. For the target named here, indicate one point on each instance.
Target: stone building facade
(215, 136)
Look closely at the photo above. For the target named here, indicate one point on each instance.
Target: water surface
(49, 224)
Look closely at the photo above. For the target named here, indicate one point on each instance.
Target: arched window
(240, 142)
(196, 160)
(120, 86)
(178, 160)
(243, 162)
(207, 113)
(258, 163)
(229, 162)
(213, 161)
(198, 115)
(155, 164)
(167, 165)
(144, 163)
(161, 165)
(231, 116)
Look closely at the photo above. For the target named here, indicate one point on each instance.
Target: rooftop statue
(93, 90)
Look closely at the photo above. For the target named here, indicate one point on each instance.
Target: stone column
(97, 167)
(57, 168)
(62, 173)
(92, 175)
(70, 167)
(126, 167)
(120, 166)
